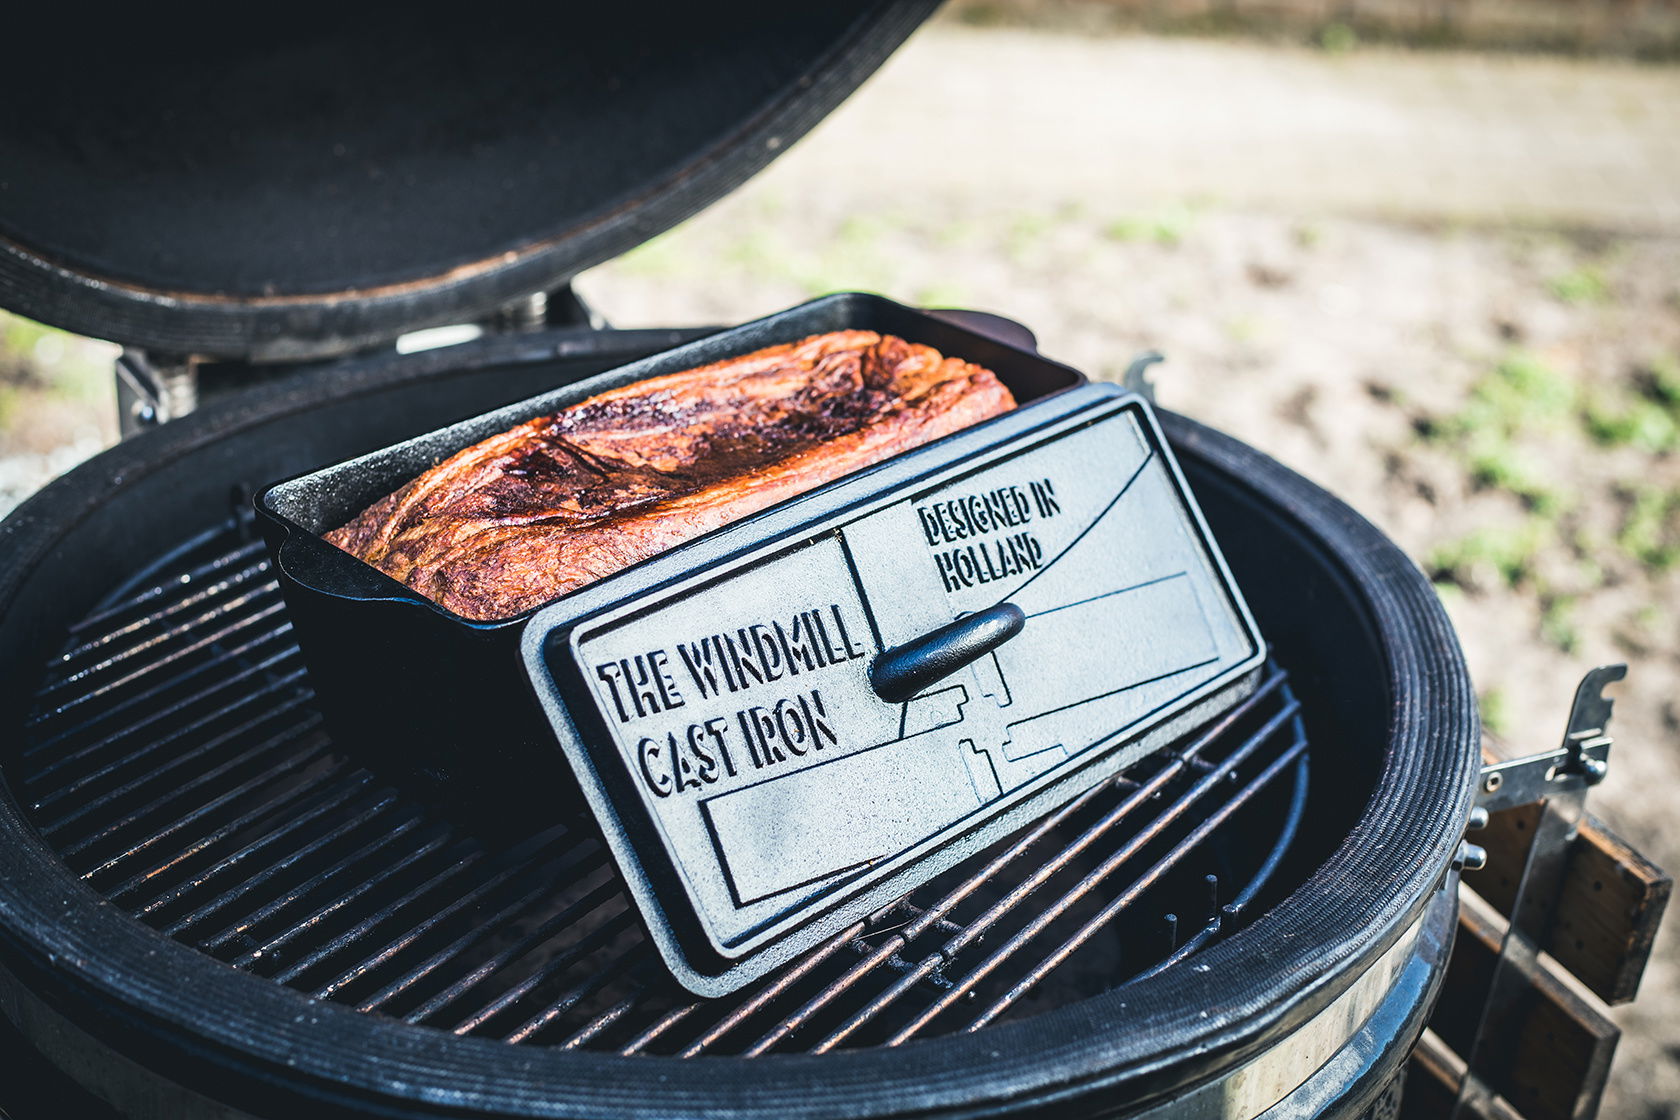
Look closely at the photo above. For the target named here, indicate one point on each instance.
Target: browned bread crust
(557, 502)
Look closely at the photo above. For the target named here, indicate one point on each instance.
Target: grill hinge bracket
(154, 388)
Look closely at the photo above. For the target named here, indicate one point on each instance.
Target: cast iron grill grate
(177, 764)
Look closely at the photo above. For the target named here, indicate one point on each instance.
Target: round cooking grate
(176, 762)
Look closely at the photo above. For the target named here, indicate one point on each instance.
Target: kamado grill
(214, 901)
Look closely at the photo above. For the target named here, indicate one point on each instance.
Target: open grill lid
(327, 186)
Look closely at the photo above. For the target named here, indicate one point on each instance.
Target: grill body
(1343, 930)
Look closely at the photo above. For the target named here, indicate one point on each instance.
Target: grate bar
(106, 829)
(365, 927)
(300, 806)
(765, 995)
(612, 1015)
(589, 860)
(1130, 894)
(438, 842)
(550, 968)
(110, 740)
(209, 591)
(149, 695)
(185, 651)
(180, 630)
(588, 904)
(322, 881)
(290, 764)
(633, 959)
(185, 579)
(281, 865)
(1046, 915)
(532, 860)
(143, 754)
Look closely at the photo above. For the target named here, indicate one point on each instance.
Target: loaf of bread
(557, 502)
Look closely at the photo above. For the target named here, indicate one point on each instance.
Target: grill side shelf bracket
(1547, 877)
(1580, 762)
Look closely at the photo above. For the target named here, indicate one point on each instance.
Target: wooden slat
(1609, 908)
(1612, 904)
(1554, 1066)
(1432, 1081)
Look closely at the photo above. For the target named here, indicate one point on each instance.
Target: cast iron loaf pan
(440, 702)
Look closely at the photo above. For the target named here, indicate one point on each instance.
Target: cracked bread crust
(557, 502)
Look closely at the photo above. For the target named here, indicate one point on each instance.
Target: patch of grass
(1520, 393)
(1490, 556)
(1525, 389)
(757, 251)
(1520, 399)
(1581, 286)
(1495, 460)
(44, 364)
(1557, 622)
(1650, 530)
(959, 233)
(663, 256)
(19, 336)
(1648, 418)
(1026, 233)
(1661, 381)
(1496, 712)
(1643, 424)
(862, 232)
(942, 294)
(1244, 329)
(1167, 226)
(1337, 38)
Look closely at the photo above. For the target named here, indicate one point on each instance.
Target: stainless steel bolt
(1470, 857)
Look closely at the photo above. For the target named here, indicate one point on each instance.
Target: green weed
(1650, 530)
(1337, 38)
(1644, 424)
(1557, 622)
(1504, 555)
(1495, 708)
(1519, 398)
(1662, 381)
(1026, 233)
(1584, 285)
(941, 295)
(1167, 226)
(663, 256)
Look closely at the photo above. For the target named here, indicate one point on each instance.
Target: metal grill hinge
(154, 388)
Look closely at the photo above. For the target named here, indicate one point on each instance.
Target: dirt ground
(1447, 287)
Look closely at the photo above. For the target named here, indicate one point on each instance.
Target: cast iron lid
(786, 725)
(327, 185)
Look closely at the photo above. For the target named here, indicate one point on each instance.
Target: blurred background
(1426, 252)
